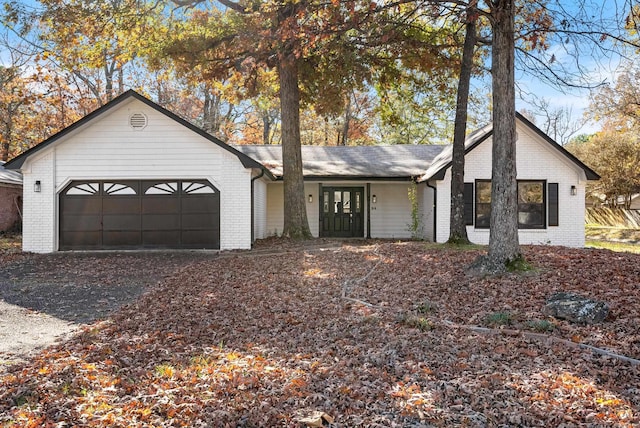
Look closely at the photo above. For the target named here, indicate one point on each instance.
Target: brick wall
(535, 160)
(9, 211)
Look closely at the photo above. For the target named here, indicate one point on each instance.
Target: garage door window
(84, 189)
(164, 188)
(189, 187)
(118, 189)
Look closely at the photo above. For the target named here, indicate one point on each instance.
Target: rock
(575, 308)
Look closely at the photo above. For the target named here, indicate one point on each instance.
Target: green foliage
(422, 324)
(426, 307)
(614, 154)
(500, 318)
(541, 326)
(415, 227)
(518, 264)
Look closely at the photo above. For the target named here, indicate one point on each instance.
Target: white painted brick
(535, 160)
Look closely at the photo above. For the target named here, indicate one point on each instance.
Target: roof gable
(440, 165)
(18, 161)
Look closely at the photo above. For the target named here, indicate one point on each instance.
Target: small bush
(499, 318)
(541, 326)
(426, 307)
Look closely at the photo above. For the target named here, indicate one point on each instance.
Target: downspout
(368, 210)
(435, 206)
(253, 215)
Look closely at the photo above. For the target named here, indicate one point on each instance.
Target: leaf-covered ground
(369, 334)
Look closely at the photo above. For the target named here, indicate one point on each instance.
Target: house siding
(110, 149)
(535, 160)
(275, 208)
(259, 209)
(391, 215)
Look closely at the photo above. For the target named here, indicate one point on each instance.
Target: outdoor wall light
(574, 190)
(37, 187)
(310, 198)
(374, 199)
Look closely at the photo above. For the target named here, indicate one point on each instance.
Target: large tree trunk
(296, 224)
(503, 236)
(457, 226)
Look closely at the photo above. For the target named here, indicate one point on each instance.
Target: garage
(130, 214)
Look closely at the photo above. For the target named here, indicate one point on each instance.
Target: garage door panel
(200, 204)
(140, 214)
(120, 205)
(121, 222)
(79, 223)
(160, 222)
(152, 205)
(87, 205)
(200, 239)
(122, 239)
(198, 221)
(160, 238)
(82, 240)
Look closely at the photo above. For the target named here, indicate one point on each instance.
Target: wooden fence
(614, 217)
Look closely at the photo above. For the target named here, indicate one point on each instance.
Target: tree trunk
(347, 122)
(503, 235)
(296, 224)
(266, 127)
(457, 226)
(4, 151)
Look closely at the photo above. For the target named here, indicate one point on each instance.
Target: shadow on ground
(85, 287)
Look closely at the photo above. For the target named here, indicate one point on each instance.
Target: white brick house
(551, 188)
(134, 175)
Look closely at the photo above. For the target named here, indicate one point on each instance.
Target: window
(531, 204)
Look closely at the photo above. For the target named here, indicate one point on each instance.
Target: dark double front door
(342, 212)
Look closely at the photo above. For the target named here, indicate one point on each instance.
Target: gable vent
(138, 121)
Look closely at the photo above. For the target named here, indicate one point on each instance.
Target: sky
(598, 67)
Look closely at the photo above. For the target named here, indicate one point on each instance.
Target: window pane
(531, 208)
(483, 215)
(325, 202)
(483, 192)
(483, 204)
(530, 192)
(337, 200)
(346, 208)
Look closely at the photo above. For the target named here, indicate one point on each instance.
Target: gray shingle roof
(9, 177)
(395, 161)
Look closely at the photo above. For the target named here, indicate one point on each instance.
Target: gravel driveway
(45, 297)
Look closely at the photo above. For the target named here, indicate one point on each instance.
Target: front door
(342, 212)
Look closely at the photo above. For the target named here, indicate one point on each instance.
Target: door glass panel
(347, 203)
(357, 202)
(337, 200)
(325, 202)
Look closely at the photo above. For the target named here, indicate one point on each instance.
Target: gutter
(253, 219)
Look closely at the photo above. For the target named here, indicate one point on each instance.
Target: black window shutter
(468, 204)
(553, 204)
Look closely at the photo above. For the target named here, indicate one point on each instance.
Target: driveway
(44, 297)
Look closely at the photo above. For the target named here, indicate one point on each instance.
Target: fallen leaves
(272, 340)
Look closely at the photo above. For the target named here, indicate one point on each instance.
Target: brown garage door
(139, 214)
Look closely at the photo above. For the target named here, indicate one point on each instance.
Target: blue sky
(599, 68)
